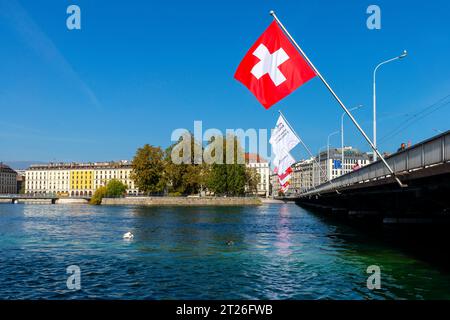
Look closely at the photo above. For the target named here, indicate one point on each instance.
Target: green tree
(173, 173)
(114, 188)
(217, 179)
(98, 196)
(229, 177)
(148, 169)
(252, 179)
(236, 171)
(184, 170)
(236, 175)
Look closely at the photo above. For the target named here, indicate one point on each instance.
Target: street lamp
(328, 150)
(342, 135)
(403, 55)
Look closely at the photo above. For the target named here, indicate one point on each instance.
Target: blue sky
(137, 70)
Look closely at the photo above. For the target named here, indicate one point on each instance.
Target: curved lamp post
(403, 55)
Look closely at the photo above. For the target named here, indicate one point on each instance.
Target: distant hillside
(21, 165)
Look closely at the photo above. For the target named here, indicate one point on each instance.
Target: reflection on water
(278, 252)
(283, 244)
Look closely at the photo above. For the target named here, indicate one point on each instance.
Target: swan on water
(128, 235)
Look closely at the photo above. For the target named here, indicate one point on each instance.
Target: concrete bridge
(40, 198)
(372, 192)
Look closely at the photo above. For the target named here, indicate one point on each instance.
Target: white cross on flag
(269, 63)
(273, 68)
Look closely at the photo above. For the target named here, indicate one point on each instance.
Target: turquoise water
(279, 252)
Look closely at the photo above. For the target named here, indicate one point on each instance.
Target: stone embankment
(183, 201)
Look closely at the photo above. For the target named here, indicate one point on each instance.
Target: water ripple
(279, 252)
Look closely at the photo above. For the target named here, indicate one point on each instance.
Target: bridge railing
(427, 153)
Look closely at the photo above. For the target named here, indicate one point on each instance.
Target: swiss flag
(273, 68)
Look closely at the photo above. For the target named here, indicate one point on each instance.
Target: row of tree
(156, 172)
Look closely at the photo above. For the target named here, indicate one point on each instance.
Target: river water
(277, 252)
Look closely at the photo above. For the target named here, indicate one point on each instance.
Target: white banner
(283, 139)
(283, 164)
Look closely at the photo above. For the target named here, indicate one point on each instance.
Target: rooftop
(77, 165)
(336, 153)
(5, 168)
(254, 158)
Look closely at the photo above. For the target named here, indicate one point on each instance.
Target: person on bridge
(402, 147)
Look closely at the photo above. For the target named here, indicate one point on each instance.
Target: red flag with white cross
(273, 68)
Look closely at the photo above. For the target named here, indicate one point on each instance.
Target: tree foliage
(187, 177)
(148, 169)
(180, 169)
(229, 177)
(98, 196)
(252, 178)
(113, 189)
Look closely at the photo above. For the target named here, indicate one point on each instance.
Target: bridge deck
(432, 154)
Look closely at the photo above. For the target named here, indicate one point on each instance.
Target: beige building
(8, 180)
(261, 166)
(274, 184)
(302, 175)
(307, 174)
(76, 179)
(121, 171)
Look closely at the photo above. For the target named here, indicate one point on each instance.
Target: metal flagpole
(272, 13)
(307, 149)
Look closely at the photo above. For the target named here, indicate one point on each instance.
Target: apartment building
(8, 180)
(76, 179)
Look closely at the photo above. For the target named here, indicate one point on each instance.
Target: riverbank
(183, 201)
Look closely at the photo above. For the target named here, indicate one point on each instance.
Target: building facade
(20, 181)
(261, 166)
(307, 173)
(332, 166)
(274, 184)
(302, 175)
(77, 179)
(8, 180)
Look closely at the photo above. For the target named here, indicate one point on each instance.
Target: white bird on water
(128, 236)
